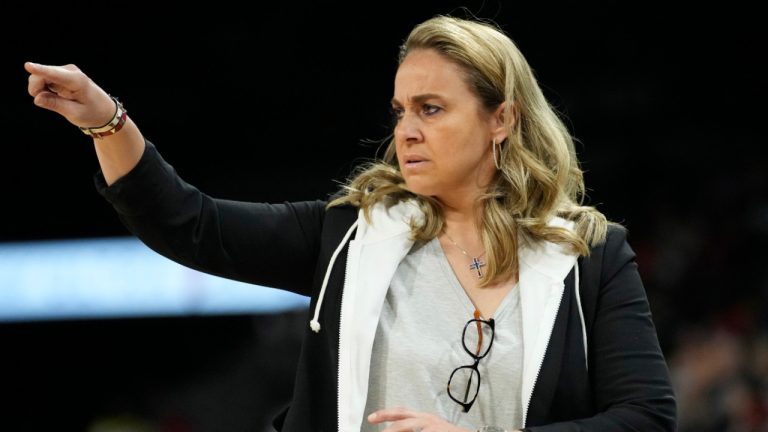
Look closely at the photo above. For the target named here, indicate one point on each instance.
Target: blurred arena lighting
(119, 278)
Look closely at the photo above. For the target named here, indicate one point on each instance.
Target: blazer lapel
(543, 267)
(546, 383)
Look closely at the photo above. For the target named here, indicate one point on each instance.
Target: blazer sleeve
(274, 245)
(629, 376)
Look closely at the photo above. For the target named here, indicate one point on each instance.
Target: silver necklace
(477, 263)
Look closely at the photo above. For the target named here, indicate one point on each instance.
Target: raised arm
(268, 244)
(68, 91)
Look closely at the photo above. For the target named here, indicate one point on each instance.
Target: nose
(408, 129)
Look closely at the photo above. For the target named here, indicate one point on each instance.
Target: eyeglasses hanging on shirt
(464, 382)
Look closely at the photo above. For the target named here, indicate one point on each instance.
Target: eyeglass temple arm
(479, 332)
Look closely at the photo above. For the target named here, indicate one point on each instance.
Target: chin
(420, 188)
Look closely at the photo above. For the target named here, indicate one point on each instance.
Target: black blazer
(623, 386)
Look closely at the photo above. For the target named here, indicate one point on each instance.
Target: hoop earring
(496, 161)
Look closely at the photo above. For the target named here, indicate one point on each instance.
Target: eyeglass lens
(464, 383)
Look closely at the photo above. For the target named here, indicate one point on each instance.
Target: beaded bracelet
(113, 126)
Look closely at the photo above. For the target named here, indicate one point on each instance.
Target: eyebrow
(419, 98)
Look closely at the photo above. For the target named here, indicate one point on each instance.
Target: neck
(462, 224)
(461, 208)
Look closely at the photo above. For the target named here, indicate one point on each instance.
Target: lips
(413, 160)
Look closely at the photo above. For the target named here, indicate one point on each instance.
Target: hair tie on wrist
(113, 126)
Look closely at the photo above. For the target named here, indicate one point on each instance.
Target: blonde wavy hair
(539, 176)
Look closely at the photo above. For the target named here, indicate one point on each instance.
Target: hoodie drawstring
(581, 315)
(315, 324)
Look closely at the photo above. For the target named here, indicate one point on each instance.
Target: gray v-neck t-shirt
(418, 344)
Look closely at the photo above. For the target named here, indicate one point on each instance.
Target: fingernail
(372, 416)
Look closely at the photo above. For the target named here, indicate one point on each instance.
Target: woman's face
(443, 135)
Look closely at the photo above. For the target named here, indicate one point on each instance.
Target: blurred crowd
(705, 267)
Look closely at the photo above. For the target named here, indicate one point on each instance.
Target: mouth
(412, 162)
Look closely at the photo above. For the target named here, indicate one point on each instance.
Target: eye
(397, 113)
(430, 109)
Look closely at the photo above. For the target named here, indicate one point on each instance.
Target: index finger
(53, 74)
(391, 414)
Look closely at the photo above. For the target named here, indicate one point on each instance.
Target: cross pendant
(476, 264)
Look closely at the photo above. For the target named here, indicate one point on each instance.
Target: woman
(455, 285)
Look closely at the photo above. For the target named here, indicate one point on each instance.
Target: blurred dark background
(280, 100)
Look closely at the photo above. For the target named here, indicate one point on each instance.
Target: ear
(503, 120)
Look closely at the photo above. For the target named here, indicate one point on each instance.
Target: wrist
(111, 127)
